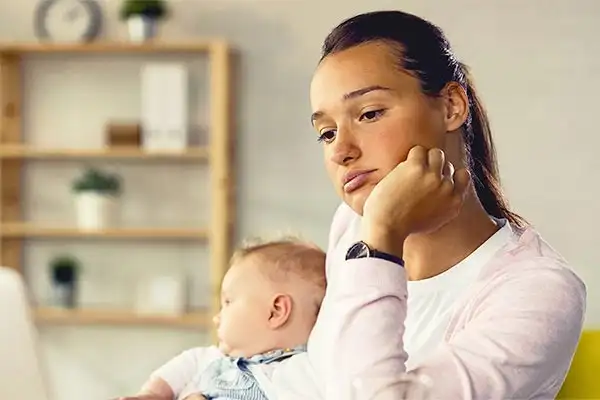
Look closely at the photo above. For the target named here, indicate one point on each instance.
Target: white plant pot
(141, 28)
(63, 295)
(95, 210)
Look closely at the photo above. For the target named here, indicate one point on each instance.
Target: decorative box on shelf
(161, 295)
(120, 135)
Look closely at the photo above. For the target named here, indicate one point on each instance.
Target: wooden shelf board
(21, 152)
(110, 47)
(28, 230)
(58, 316)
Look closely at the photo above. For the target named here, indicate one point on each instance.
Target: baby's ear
(281, 309)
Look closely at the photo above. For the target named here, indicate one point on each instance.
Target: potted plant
(64, 273)
(96, 194)
(142, 17)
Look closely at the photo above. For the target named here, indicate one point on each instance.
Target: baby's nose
(216, 319)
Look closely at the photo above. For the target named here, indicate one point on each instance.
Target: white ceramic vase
(141, 28)
(95, 210)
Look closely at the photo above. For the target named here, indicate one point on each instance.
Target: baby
(270, 298)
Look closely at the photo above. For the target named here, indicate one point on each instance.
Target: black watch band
(363, 250)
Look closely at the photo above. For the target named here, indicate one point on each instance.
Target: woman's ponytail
(482, 159)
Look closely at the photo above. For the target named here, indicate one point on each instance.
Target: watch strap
(363, 250)
(386, 256)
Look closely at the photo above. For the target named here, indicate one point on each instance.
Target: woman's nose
(344, 148)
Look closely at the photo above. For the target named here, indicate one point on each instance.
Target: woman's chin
(356, 200)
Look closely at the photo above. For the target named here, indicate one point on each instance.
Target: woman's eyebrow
(363, 91)
(350, 95)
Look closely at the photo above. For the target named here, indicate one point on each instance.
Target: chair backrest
(20, 368)
(583, 379)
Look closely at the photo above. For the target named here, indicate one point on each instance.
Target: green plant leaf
(154, 9)
(64, 262)
(95, 180)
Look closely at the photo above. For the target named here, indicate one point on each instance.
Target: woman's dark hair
(424, 50)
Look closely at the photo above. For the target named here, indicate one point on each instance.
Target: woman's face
(368, 114)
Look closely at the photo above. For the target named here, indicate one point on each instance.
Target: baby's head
(270, 297)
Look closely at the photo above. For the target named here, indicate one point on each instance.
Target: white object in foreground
(22, 375)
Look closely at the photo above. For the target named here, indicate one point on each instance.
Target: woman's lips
(357, 181)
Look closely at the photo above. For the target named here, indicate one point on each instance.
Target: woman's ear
(281, 310)
(456, 103)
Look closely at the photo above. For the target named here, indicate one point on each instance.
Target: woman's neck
(428, 255)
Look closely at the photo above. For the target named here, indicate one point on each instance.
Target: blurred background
(535, 63)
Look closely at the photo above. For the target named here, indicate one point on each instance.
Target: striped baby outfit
(229, 378)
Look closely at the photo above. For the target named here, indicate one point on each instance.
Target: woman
(490, 310)
(428, 269)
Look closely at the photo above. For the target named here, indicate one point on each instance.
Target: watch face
(357, 250)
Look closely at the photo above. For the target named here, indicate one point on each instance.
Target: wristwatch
(363, 250)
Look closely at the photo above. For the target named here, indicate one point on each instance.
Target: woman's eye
(371, 115)
(327, 136)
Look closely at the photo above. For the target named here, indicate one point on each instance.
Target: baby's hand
(195, 397)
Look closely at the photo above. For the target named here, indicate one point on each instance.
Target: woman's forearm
(358, 336)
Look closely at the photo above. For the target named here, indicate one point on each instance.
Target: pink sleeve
(517, 343)
(361, 323)
(360, 326)
(520, 340)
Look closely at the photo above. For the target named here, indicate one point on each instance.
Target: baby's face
(245, 308)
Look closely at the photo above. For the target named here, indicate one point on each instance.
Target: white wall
(537, 67)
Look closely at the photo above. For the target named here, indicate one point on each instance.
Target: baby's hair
(288, 256)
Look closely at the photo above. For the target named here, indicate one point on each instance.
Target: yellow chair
(583, 379)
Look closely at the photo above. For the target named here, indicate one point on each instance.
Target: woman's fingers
(453, 181)
(436, 160)
(418, 154)
(418, 195)
(449, 171)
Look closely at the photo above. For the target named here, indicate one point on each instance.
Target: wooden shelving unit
(28, 153)
(209, 46)
(120, 317)
(22, 230)
(15, 153)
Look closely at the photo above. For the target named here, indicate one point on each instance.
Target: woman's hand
(420, 195)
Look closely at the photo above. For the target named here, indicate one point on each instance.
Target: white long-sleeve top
(511, 334)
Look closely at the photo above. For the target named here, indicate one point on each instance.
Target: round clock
(68, 20)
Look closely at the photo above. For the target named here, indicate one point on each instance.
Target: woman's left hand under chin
(418, 195)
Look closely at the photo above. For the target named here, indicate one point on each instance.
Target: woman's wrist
(385, 239)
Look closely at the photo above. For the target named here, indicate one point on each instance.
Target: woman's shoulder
(529, 263)
(528, 249)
